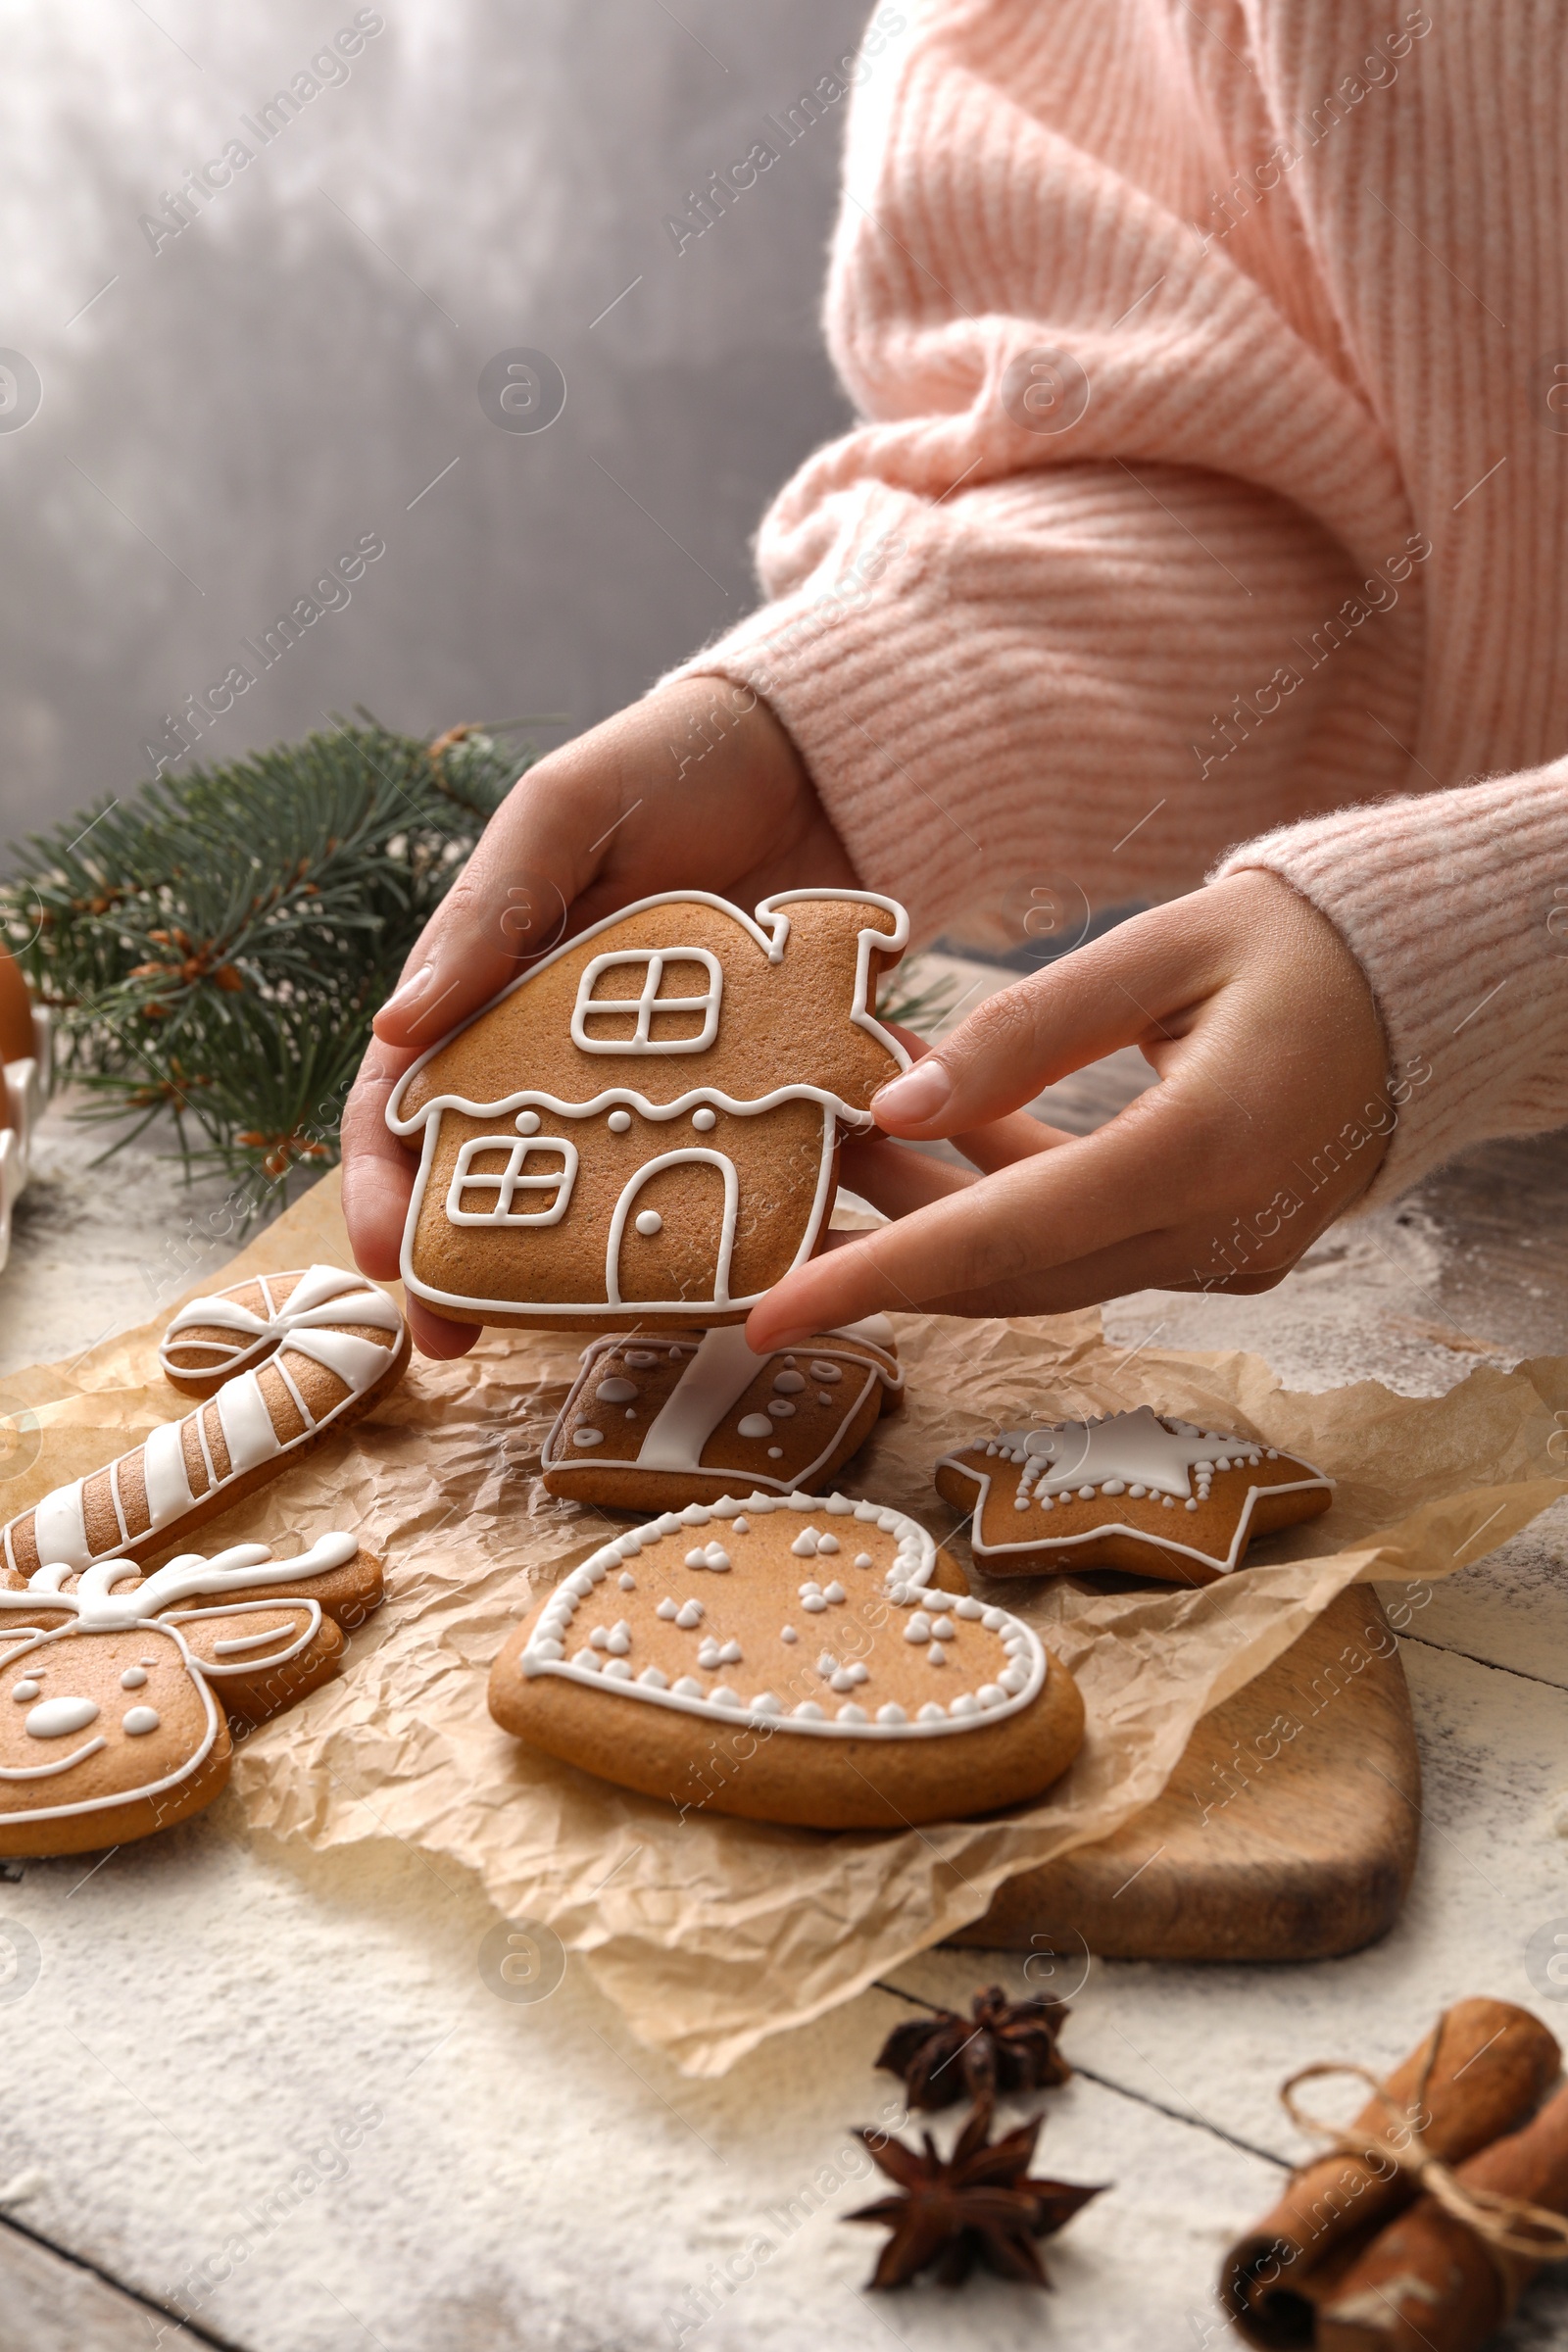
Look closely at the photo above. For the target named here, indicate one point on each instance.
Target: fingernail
(409, 991)
(917, 1096)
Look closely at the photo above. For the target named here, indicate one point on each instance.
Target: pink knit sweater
(1211, 357)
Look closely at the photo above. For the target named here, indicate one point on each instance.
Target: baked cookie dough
(321, 1349)
(644, 1128)
(117, 1696)
(1140, 1491)
(654, 1420)
(791, 1659)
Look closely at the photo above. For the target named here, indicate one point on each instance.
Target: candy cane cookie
(329, 1345)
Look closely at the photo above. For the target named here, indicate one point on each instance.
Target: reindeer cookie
(792, 1659)
(319, 1349)
(116, 1702)
(1139, 1490)
(644, 1127)
(659, 1420)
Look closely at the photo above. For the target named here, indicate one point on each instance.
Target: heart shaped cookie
(789, 1658)
(656, 1420)
(1140, 1491)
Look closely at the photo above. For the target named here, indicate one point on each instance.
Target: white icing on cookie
(907, 1582)
(1141, 1454)
(634, 1016)
(712, 1382)
(323, 1298)
(97, 1608)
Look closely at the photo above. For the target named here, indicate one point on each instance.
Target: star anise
(977, 2205)
(1006, 2046)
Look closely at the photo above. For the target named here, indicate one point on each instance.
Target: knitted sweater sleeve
(1455, 904)
(1117, 562)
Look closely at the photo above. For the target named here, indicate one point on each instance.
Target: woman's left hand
(1272, 1113)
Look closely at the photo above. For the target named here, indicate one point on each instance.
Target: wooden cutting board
(1269, 1844)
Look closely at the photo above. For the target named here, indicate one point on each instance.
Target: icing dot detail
(788, 1384)
(617, 1391)
(821, 1369)
(775, 1453)
(528, 1122)
(755, 1425)
(641, 1359)
(57, 1718)
(703, 1119)
(626, 1581)
(587, 1436)
(781, 1408)
(138, 1720)
(27, 1688)
(649, 1222)
(618, 1122)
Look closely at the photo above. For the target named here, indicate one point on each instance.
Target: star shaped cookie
(1140, 1491)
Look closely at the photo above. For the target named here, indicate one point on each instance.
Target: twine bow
(1499, 2221)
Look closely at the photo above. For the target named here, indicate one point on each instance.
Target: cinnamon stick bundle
(1482, 2072)
(1430, 2282)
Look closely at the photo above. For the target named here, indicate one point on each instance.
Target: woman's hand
(1272, 1113)
(697, 787)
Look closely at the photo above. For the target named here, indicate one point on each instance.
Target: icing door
(672, 1233)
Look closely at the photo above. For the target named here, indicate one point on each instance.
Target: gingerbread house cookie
(1140, 1491)
(117, 1701)
(656, 1420)
(791, 1659)
(644, 1127)
(319, 1348)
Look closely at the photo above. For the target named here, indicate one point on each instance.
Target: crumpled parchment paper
(712, 1934)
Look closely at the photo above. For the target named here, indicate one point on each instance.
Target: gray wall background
(220, 420)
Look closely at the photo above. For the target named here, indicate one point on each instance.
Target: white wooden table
(273, 2094)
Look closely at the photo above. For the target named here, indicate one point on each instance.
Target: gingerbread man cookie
(1140, 1491)
(116, 1704)
(333, 1345)
(644, 1127)
(789, 1658)
(655, 1421)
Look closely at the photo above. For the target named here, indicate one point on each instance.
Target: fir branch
(216, 946)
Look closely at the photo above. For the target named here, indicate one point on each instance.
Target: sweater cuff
(833, 661)
(1456, 906)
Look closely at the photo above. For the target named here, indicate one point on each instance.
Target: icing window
(649, 1000)
(507, 1180)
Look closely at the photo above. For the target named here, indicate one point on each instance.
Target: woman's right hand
(697, 787)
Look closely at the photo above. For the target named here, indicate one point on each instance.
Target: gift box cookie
(1140, 1491)
(644, 1127)
(656, 1421)
(792, 1659)
(117, 1701)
